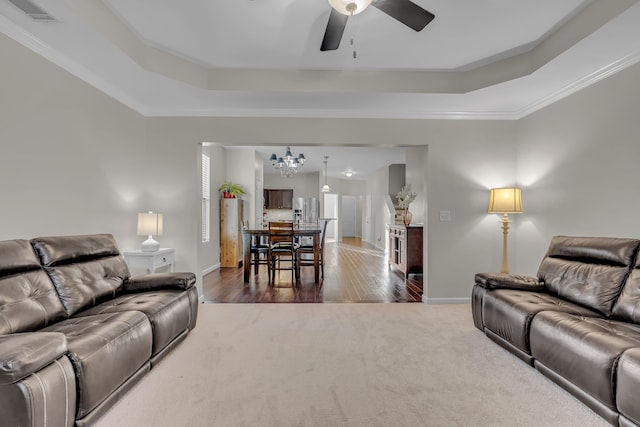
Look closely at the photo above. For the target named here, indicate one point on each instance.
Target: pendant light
(325, 187)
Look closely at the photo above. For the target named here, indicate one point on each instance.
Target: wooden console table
(405, 248)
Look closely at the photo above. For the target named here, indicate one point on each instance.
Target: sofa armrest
(509, 281)
(23, 354)
(149, 282)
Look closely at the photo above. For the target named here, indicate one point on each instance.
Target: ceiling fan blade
(333, 33)
(405, 11)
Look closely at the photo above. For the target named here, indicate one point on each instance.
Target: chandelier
(287, 165)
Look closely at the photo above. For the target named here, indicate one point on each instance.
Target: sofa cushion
(17, 256)
(627, 307)
(588, 270)
(28, 299)
(628, 384)
(59, 250)
(583, 350)
(508, 313)
(105, 349)
(168, 311)
(84, 269)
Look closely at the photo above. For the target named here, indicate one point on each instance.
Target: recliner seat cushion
(168, 311)
(628, 384)
(508, 313)
(583, 350)
(105, 350)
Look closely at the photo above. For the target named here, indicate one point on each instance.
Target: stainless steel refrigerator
(306, 210)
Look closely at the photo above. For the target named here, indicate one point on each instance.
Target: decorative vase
(406, 216)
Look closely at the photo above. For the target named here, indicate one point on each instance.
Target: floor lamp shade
(150, 224)
(505, 201)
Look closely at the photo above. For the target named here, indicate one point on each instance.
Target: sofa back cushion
(84, 269)
(588, 270)
(28, 300)
(627, 307)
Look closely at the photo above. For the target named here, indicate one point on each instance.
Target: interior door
(349, 216)
(367, 219)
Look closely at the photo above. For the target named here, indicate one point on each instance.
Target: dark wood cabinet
(278, 199)
(405, 248)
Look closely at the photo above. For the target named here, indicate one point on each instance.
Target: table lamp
(150, 224)
(505, 201)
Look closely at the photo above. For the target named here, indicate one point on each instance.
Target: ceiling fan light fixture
(350, 7)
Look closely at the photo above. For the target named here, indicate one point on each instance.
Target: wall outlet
(445, 216)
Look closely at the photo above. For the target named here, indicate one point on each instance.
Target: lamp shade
(150, 224)
(505, 200)
(350, 7)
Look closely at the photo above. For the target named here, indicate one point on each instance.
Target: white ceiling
(478, 59)
(277, 34)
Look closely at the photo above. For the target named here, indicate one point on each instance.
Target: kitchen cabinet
(405, 248)
(278, 199)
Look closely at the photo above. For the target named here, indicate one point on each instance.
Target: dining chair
(306, 249)
(282, 247)
(259, 250)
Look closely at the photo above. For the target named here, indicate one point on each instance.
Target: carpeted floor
(343, 365)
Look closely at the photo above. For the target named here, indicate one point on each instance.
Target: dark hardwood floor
(353, 272)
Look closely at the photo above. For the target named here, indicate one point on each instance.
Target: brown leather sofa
(77, 332)
(577, 322)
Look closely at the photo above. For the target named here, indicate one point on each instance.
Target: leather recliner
(577, 322)
(76, 331)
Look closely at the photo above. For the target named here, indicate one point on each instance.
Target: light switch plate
(445, 216)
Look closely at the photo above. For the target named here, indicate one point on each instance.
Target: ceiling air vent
(33, 10)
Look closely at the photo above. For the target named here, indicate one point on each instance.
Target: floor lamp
(505, 201)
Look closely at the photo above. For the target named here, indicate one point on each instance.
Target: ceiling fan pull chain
(353, 44)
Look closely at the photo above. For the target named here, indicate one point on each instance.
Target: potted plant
(230, 190)
(405, 197)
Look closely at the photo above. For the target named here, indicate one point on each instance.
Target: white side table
(150, 261)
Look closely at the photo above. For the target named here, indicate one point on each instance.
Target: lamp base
(150, 245)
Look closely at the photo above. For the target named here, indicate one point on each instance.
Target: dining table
(306, 230)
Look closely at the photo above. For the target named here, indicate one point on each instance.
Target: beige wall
(578, 164)
(75, 161)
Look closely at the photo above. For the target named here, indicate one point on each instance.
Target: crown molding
(43, 49)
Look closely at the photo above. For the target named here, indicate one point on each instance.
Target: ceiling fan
(405, 11)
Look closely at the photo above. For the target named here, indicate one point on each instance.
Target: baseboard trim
(427, 300)
(210, 269)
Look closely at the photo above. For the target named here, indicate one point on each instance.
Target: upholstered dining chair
(282, 247)
(259, 250)
(307, 249)
(258, 247)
